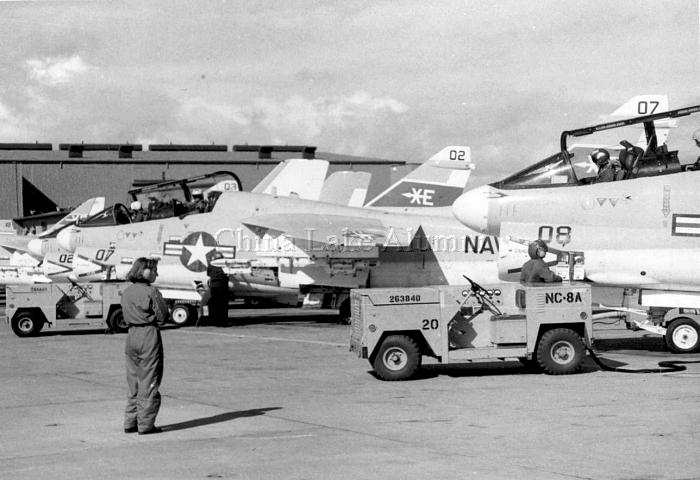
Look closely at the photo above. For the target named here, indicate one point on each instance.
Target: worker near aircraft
(606, 172)
(218, 291)
(535, 270)
(144, 312)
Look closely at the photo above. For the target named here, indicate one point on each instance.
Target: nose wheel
(683, 336)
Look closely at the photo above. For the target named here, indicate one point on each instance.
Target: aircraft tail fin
(648, 105)
(346, 188)
(84, 210)
(297, 176)
(642, 105)
(435, 183)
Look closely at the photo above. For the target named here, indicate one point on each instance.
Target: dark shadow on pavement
(651, 343)
(222, 417)
(486, 369)
(267, 317)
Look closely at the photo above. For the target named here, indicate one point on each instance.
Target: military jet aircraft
(23, 258)
(420, 244)
(640, 231)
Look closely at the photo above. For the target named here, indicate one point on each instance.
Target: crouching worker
(535, 270)
(144, 312)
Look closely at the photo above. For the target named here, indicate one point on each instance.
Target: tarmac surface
(275, 395)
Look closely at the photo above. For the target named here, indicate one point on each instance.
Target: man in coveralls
(535, 270)
(144, 311)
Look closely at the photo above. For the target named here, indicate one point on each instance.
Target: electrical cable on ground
(666, 366)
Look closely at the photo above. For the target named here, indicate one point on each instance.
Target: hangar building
(36, 178)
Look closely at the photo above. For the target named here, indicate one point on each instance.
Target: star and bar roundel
(196, 249)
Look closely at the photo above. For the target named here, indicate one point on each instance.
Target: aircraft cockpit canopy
(177, 198)
(116, 214)
(573, 165)
(555, 170)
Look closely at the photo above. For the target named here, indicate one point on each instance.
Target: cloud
(56, 71)
(355, 123)
(10, 125)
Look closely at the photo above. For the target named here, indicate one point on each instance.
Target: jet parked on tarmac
(27, 259)
(640, 231)
(420, 244)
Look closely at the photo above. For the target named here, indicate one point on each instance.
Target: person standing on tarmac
(535, 270)
(144, 312)
(218, 290)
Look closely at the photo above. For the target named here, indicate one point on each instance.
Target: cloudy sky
(388, 79)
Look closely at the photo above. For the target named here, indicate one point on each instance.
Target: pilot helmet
(197, 192)
(537, 249)
(696, 136)
(600, 157)
(136, 205)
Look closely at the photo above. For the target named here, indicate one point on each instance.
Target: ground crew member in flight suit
(144, 311)
(218, 290)
(535, 270)
(606, 172)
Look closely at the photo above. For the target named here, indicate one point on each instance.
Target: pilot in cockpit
(138, 214)
(199, 204)
(606, 172)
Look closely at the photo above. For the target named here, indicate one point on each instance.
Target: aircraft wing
(311, 231)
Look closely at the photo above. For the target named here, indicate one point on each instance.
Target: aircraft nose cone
(36, 246)
(66, 239)
(472, 209)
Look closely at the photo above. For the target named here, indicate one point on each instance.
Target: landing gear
(182, 315)
(683, 336)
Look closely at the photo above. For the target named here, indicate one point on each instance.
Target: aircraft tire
(560, 351)
(398, 358)
(116, 321)
(182, 315)
(27, 324)
(683, 336)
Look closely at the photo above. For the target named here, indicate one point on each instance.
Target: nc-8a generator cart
(548, 325)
